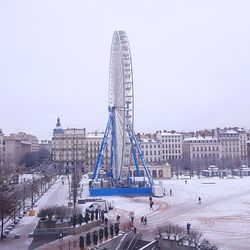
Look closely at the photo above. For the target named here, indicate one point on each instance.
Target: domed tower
(58, 129)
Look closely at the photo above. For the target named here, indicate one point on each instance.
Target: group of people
(144, 220)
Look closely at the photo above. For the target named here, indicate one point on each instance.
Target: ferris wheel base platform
(121, 191)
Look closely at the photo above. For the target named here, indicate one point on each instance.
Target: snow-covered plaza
(223, 215)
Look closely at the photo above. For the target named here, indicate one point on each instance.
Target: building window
(154, 173)
(142, 172)
(160, 173)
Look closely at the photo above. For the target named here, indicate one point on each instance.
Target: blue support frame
(101, 152)
(141, 157)
(134, 155)
(115, 180)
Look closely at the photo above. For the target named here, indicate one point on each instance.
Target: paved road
(56, 195)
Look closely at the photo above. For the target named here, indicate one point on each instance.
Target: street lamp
(132, 216)
(74, 158)
(74, 177)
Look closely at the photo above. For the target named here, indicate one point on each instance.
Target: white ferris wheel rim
(121, 98)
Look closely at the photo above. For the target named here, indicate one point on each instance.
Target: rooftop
(200, 138)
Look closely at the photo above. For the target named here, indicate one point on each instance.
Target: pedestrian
(170, 192)
(106, 221)
(92, 215)
(102, 215)
(142, 220)
(151, 205)
(145, 220)
(60, 236)
(118, 218)
(188, 228)
(96, 214)
(150, 199)
(185, 181)
(199, 200)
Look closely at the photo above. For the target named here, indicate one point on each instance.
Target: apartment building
(15, 148)
(74, 146)
(27, 138)
(201, 148)
(151, 150)
(68, 147)
(171, 144)
(234, 144)
(93, 143)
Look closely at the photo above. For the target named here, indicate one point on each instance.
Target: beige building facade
(234, 144)
(161, 171)
(152, 150)
(74, 146)
(201, 148)
(28, 139)
(15, 148)
(171, 143)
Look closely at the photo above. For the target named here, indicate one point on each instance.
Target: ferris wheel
(120, 126)
(121, 100)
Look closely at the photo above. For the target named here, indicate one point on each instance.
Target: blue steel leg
(141, 156)
(102, 150)
(134, 155)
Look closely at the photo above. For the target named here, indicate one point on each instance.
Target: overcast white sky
(191, 63)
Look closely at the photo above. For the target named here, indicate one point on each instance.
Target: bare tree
(7, 169)
(179, 233)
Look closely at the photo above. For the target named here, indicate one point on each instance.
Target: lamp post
(32, 191)
(74, 177)
(74, 158)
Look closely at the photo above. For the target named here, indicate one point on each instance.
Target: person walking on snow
(142, 220)
(170, 191)
(151, 205)
(188, 227)
(60, 236)
(145, 220)
(199, 200)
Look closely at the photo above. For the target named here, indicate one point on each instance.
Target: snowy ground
(223, 216)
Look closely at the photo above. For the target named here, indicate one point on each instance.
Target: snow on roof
(170, 134)
(149, 140)
(229, 132)
(95, 135)
(200, 138)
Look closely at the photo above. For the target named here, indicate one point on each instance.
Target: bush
(60, 212)
(206, 245)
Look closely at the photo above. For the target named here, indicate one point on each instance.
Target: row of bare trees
(198, 164)
(180, 234)
(34, 158)
(15, 197)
